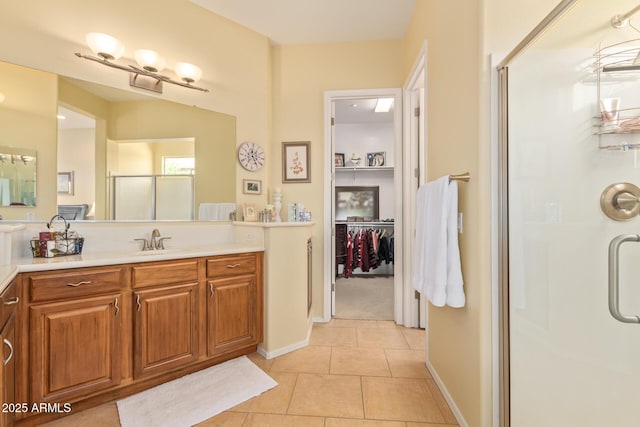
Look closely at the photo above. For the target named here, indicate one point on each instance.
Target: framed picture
(295, 162)
(251, 186)
(357, 202)
(249, 212)
(339, 160)
(65, 182)
(378, 158)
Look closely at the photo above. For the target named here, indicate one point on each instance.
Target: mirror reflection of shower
(17, 177)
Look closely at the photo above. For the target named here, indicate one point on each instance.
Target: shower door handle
(614, 277)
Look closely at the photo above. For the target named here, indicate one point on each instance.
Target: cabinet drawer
(76, 283)
(231, 265)
(8, 302)
(165, 273)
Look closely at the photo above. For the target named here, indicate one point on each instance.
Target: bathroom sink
(156, 252)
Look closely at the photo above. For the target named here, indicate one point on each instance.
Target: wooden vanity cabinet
(9, 301)
(75, 333)
(234, 302)
(165, 316)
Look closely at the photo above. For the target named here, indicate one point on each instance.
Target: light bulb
(149, 60)
(105, 46)
(188, 72)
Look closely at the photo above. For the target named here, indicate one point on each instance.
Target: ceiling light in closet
(383, 105)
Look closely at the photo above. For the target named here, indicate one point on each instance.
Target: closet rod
(464, 177)
(367, 223)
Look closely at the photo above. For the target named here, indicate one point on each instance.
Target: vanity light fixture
(150, 63)
(383, 105)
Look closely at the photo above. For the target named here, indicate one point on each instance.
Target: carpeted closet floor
(364, 297)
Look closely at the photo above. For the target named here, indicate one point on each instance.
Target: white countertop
(8, 272)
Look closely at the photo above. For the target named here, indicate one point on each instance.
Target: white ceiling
(360, 111)
(318, 21)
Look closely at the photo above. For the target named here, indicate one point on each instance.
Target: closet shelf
(363, 168)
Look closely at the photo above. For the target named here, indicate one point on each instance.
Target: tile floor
(353, 373)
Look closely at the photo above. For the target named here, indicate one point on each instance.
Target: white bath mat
(195, 397)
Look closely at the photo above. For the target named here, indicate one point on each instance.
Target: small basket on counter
(56, 242)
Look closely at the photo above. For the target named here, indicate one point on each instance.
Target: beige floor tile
(271, 420)
(400, 399)
(334, 336)
(429, 425)
(388, 324)
(449, 418)
(308, 359)
(327, 395)
(407, 363)
(349, 422)
(101, 416)
(355, 361)
(261, 362)
(227, 419)
(349, 323)
(381, 338)
(274, 401)
(416, 338)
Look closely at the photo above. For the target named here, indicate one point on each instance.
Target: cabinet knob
(138, 302)
(233, 265)
(115, 305)
(211, 289)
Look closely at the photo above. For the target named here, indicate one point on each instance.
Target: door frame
(415, 162)
(329, 195)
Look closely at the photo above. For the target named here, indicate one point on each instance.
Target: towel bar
(464, 177)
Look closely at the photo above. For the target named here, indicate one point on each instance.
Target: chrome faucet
(156, 242)
(154, 236)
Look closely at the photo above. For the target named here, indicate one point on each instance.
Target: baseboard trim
(452, 404)
(287, 349)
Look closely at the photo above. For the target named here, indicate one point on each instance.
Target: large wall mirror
(107, 132)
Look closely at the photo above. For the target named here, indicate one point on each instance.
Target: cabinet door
(166, 328)
(8, 371)
(231, 314)
(75, 348)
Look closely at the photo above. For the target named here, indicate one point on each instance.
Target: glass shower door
(571, 362)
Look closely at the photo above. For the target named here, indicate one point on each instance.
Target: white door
(571, 362)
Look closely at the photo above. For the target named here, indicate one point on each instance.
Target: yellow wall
(455, 335)
(28, 120)
(301, 74)
(76, 153)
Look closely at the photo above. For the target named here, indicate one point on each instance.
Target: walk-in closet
(364, 203)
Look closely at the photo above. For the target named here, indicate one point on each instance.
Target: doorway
(363, 199)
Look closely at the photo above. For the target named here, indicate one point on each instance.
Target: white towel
(437, 270)
(215, 211)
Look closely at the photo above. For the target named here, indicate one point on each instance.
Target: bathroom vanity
(98, 333)
(117, 320)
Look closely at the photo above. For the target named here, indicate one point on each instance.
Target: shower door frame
(502, 234)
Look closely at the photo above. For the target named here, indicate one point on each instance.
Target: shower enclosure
(571, 286)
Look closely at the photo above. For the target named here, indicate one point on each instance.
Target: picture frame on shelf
(251, 186)
(249, 212)
(296, 164)
(357, 201)
(376, 159)
(339, 160)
